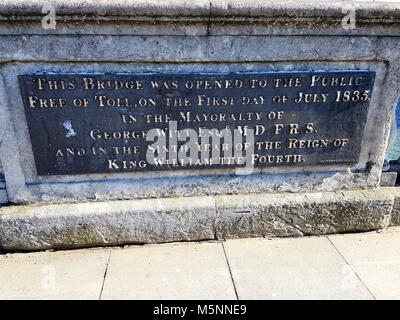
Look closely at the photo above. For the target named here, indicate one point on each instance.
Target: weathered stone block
(40, 227)
(106, 223)
(396, 205)
(267, 215)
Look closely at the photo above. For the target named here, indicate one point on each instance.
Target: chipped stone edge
(63, 226)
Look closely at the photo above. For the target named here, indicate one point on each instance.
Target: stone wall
(145, 37)
(177, 36)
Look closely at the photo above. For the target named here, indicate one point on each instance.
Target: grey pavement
(351, 266)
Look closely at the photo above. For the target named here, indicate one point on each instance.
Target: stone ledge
(41, 227)
(290, 10)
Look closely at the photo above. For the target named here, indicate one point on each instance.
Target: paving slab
(175, 271)
(53, 275)
(301, 268)
(375, 257)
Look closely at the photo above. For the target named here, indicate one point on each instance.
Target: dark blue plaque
(98, 123)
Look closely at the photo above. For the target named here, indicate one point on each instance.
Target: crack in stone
(216, 219)
(230, 273)
(293, 226)
(104, 276)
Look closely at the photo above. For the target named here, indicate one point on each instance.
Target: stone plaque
(105, 123)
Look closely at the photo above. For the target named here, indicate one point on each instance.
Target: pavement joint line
(351, 267)
(230, 272)
(105, 275)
